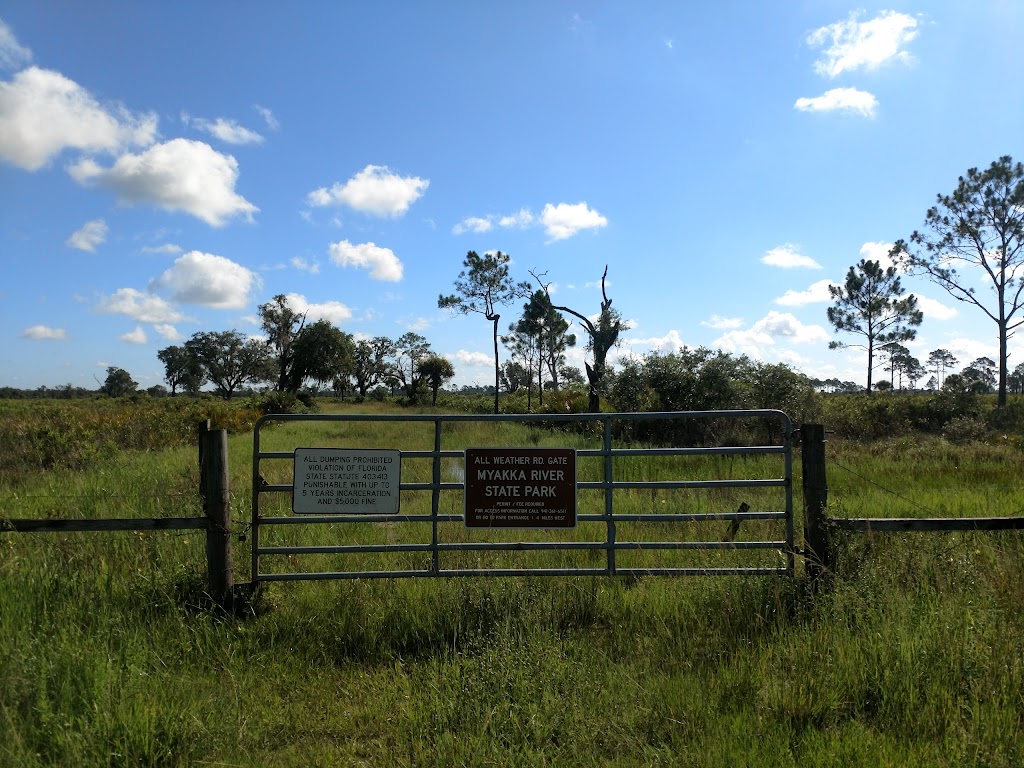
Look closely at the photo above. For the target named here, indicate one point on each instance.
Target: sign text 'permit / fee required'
(520, 488)
(346, 481)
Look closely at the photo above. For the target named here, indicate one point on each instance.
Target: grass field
(110, 656)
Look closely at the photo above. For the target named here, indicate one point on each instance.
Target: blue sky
(167, 167)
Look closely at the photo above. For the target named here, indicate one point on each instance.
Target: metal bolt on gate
(526, 496)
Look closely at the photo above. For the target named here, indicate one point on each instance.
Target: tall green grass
(109, 655)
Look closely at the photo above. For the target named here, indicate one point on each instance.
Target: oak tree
(229, 359)
(282, 325)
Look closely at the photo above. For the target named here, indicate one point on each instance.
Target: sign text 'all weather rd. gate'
(333, 481)
(520, 488)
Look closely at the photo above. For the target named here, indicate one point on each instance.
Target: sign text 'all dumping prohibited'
(346, 481)
(520, 488)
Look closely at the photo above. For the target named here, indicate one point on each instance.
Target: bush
(278, 402)
(965, 429)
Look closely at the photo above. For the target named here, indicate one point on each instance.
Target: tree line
(297, 354)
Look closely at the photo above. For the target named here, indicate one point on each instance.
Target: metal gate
(435, 542)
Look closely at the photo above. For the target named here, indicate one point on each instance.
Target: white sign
(345, 481)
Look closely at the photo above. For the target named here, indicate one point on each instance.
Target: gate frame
(608, 484)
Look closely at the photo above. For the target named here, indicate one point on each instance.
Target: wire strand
(887, 490)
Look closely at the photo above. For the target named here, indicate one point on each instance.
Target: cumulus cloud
(303, 265)
(879, 252)
(935, 310)
(474, 358)
(138, 336)
(177, 175)
(852, 44)
(12, 54)
(44, 333)
(788, 256)
(226, 130)
(722, 323)
(478, 224)
(670, 342)
(332, 311)
(208, 280)
(522, 219)
(140, 306)
(473, 224)
(840, 99)
(815, 294)
(565, 220)
(42, 113)
(88, 236)
(969, 350)
(762, 338)
(375, 189)
(168, 332)
(382, 262)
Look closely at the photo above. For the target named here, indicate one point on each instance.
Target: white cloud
(935, 310)
(12, 54)
(140, 306)
(474, 359)
(138, 336)
(375, 189)
(670, 342)
(815, 294)
(519, 220)
(783, 324)
(382, 261)
(177, 175)
(522, 219)
(165, 248)
(472, 224)
(43, 113)
(208, 280)
(847, 99)
(332, 311)
(88, 236)
(268, 117)
(722, 323)
(226, 130)
(44, 333)
(419, 324)
(762, 338)
(788, 256)
(305, 266)
(966, 351)
(565, 220)
(168, 332)
(877, 252)
(852, 44)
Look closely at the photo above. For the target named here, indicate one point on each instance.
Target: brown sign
(520, 488)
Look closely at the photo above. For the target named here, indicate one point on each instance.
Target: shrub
(964, 429)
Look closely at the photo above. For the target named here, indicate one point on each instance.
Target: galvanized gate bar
(608, 485)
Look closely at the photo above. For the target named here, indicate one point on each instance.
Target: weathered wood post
(216, 494)
(817, 547)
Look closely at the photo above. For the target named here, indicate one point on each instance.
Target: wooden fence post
(216, 494)
(817, 547)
